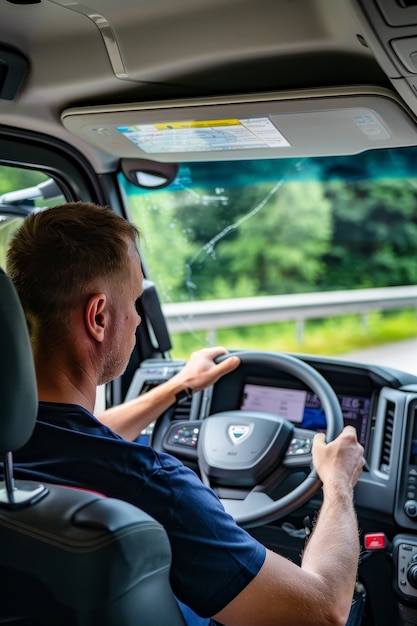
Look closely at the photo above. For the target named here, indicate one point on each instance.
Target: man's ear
(95, 316)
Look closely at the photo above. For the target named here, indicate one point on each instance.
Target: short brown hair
(56, 256)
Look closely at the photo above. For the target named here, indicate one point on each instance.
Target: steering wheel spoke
(298, 453)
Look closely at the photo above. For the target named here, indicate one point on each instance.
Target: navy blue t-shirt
(213, 559)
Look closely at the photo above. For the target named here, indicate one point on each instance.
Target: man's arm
(319, 593)
(200, 371)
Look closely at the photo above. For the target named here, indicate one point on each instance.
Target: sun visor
(320, 123)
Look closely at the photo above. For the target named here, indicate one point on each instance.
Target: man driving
(77, 271)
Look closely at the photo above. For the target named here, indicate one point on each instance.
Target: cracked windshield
(313, 255)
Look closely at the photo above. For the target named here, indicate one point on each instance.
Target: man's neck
(48, 394)
(56, 384)
(65, 374)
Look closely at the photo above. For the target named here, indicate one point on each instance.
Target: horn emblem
(238, 432)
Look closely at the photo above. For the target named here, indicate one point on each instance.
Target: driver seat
(67, 556)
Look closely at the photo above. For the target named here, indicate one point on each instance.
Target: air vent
(384, 465)
(182, 411)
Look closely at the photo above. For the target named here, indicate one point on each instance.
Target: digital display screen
(303, 408)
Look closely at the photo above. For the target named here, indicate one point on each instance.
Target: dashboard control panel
(405, 567)
(410, 505)
(184, 435)
(406, 506)
(151, 373)
(380, 403)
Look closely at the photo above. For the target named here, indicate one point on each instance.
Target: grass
(330, 336)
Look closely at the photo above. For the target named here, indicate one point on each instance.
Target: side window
(23, 191)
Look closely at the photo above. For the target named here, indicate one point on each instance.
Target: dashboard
(381, 403)
(303, 408)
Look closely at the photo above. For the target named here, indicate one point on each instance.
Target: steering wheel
(243, 451)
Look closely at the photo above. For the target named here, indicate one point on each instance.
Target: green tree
(276, 250)
(163, 241)
(234, 232)
(375, 235)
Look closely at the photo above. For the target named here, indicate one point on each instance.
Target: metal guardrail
(210, 315)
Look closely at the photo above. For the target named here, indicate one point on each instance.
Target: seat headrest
(18, 391)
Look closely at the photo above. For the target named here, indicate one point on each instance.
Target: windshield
(234, 234)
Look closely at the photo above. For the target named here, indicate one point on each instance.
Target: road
(401, 355)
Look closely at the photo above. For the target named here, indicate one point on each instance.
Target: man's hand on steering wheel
(340, 462)
(201, 369)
